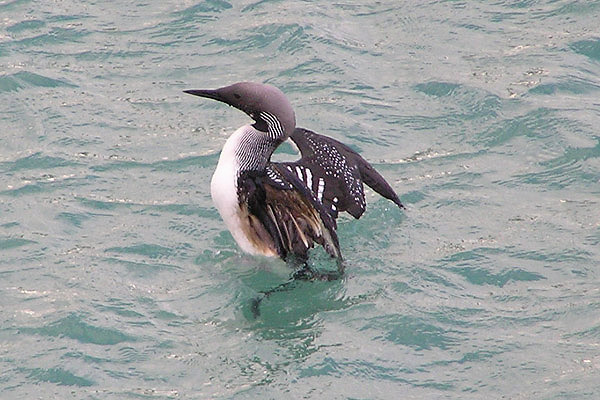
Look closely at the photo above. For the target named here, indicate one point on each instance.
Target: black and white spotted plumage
(335, 173)
(328, 177)
(283, 209)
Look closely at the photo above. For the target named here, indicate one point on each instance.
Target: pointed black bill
(208, 93)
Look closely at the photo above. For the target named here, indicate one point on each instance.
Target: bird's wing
(335, 173)
(288, 211)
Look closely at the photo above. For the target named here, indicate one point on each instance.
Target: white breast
(223, 189)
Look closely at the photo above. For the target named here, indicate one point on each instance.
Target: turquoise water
(119, 281)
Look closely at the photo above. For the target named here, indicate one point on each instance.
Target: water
(118, 280)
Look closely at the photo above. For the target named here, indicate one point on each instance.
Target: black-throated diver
(283, 208)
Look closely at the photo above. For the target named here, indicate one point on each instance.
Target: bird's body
(283, 209)
(224, 192)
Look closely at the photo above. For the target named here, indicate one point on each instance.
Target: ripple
(23, 79)
(179, 165)
(472, 103)
(563, 171)
(74, 327)
(570, 85)
(74, 219)
(357, 368)
(25, 26)
(409, 331)
(593, 332)
(54, 37)
(180, 209)
(128, 354)
(568, 256)
(482, 276)
(120, 307)
(151, 251)
(287, 37)
(56, 375)
(562, 9)
(187, 229)
(11, 243)
(209, 6)
(45, 184)
(110, 54)
(589, 48)
(35, 161)
(575, 154)
(537, 123)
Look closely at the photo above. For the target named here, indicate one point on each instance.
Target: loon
(282, 209)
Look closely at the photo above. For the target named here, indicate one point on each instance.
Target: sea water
(118, 280)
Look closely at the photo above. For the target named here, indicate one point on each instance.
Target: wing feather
(293, 205)
(343, 171)
(288, 211)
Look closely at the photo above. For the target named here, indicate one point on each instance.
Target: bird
(282, 209)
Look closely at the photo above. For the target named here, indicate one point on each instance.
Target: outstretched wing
(280, 204)
(293, 205)
(335, 173)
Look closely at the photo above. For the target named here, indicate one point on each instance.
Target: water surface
(118, 280)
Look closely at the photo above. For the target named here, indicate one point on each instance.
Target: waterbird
(282, 209)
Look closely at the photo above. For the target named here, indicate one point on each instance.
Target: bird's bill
(208, 93)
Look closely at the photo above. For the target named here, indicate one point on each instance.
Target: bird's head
(265, 104)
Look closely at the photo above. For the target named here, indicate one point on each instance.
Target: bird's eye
(237, 96)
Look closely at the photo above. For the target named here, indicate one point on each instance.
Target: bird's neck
(248, 149)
